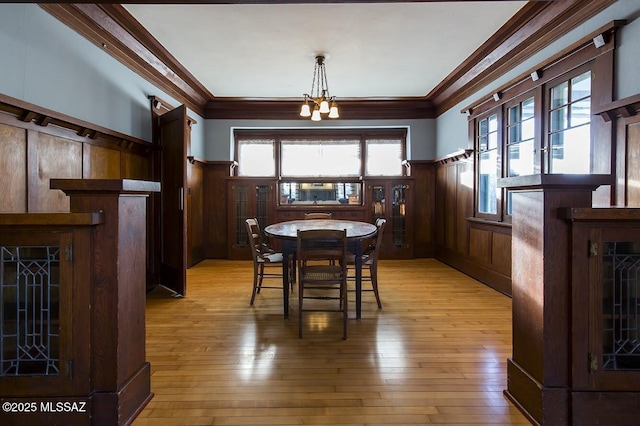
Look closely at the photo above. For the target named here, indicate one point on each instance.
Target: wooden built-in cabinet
(389, 198)
(247, 198)
(392, 200)
(605, 315)
(73, 302)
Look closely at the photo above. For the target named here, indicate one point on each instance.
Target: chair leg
(261, 275)
(300, 297)
(374, 283)
(255, 283)
(345, 309)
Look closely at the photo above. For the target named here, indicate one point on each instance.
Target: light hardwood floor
(435, 354)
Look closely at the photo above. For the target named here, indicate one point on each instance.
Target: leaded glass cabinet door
(36, 346)
(401, 226)
(614, 275)
(248, 199)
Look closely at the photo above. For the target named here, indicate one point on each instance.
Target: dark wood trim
(52, 219)
(484, 223)
(573, 56)
(536, 26)
(455, 156)
(463, 263)
(616, 214)
(550, 181)
(626, 107)
(112, 28)
(289, 109)
(73, 128)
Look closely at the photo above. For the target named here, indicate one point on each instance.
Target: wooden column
(120, 375)
(539, 370)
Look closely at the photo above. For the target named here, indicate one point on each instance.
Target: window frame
(558, 72)
(499, 150)
(319, 134)
(545, 136)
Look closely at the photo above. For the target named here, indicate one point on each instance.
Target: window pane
(521, 158)
(570, 150)
(528, 109)
(487, 182)
(570, 127)
(493, 140)
(320, 158)
(559, 119)
(514, 114)
(560, 95)
(256, 158)
(384, 157)
(580, 112)
(483, 127)
(528, 129)
(581, 86)
(483, 143)
(514, 134)
(493, 123)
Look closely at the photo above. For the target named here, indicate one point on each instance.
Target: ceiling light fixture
(319, 98)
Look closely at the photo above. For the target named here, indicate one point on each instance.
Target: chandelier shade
(319, 101)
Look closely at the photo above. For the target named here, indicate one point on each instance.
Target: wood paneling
(37, 144)
(633, 165)
(450, 204)
(195, 210)
(100, 163)
(57, 158)
(464, 203)
(215, 202)
(135, 166)
(480, 245)
(424, 208)
(13, 167)
(501, 252)
(479, 248)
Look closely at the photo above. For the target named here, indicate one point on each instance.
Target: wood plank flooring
(434, 355)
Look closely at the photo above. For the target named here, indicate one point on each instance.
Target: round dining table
(288, 232)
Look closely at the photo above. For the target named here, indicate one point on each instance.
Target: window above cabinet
(305, 193)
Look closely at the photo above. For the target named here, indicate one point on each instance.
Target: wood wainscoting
(477, 247)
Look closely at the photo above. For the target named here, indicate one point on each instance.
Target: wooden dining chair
(267, 263)
(317, 215)
(318, 279)
(369, 261)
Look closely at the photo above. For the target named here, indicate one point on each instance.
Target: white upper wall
(452, 129)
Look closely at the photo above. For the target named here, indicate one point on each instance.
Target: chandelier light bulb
(324, 106)
(333, 111)
(319, 95)
(316, 114)
(305, 111)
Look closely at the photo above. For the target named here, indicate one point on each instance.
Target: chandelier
(319, 97)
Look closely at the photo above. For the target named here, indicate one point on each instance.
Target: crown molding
(534, 27)
(113, 29)
(288, 109)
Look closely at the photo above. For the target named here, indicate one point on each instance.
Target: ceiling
(374, 50)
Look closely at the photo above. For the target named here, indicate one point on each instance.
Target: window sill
(489, 222)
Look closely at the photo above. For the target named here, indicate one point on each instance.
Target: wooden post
(120, 375)
(539, 370)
